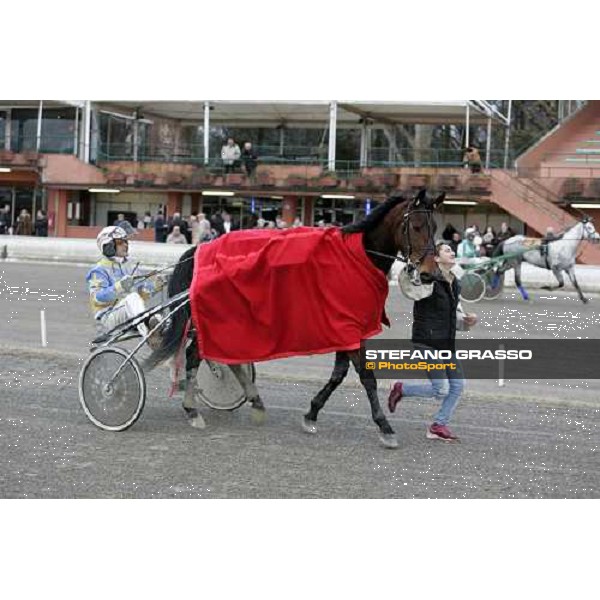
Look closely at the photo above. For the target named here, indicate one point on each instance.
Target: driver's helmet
(106, 240)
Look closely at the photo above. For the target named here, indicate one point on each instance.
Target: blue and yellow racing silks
(103, 284)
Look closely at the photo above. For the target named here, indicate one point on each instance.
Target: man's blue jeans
(436, 387)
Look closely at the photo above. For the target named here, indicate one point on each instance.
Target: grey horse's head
(589, 231)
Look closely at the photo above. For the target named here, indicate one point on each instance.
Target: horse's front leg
(340, 370)
(559, 277)
(367, 378)
(571, 273)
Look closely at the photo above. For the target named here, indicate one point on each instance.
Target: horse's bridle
(412, 267)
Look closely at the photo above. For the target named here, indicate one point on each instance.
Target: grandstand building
(86, 161)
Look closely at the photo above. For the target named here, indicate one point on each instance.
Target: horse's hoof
(190, 412)
(198, 422)
(309, 426)
(585, 300)
(258, 415)
(389, 440)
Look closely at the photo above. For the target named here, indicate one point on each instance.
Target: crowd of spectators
(472, 243)
(23, 224)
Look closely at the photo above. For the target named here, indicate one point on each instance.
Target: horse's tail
(180, 280)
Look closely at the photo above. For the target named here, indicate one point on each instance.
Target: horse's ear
(420, 197)
(439, 199)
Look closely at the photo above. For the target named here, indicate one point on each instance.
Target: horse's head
(414, 235)
(589, 231)
(400, 226)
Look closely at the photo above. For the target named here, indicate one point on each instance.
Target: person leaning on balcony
(472, 159)
(230, 154)
(249, 158)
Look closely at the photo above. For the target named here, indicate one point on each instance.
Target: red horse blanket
(265, 294)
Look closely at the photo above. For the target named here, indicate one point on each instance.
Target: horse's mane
(181, 279)
(375, 217)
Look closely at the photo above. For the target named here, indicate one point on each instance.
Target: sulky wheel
(472, 287)
(116, 405)
(218, 387)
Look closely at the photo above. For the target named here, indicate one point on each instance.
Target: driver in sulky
(115, 297)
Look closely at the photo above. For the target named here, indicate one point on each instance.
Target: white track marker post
(501, 369)
(43, 326)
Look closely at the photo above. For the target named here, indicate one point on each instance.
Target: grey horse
(560, 255)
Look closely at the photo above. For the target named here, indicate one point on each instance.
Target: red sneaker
(441, 432)
(395, 396)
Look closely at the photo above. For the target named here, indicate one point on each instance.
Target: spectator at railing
(505, 232)
(41, 224)
(223, 223)
(249, 158)
(124, 224)
(160, 228)
(472, 159)
(205, 232)
(24, 226)
(4, 219)
(177, 221)
(456, 239)
(449, 232)
(467, 249)
(230, 154)
(176, 237)
(489, 240)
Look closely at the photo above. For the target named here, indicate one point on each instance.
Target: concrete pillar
(206, 132)
(196, 203)
(309, 209)
(61, 198)
(332, 135)
(288, 209)
(174, 203)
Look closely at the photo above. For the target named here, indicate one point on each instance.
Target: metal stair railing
(557, 214)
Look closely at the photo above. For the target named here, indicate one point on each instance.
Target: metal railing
(291, 155)
(49, 144)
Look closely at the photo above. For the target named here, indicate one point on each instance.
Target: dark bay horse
(396, 228)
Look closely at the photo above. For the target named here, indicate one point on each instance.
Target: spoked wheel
(218, 387)
(494, 285)
(117, 405)
(472, 287)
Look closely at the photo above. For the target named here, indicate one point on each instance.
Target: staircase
(536, 205)
(571, 149)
